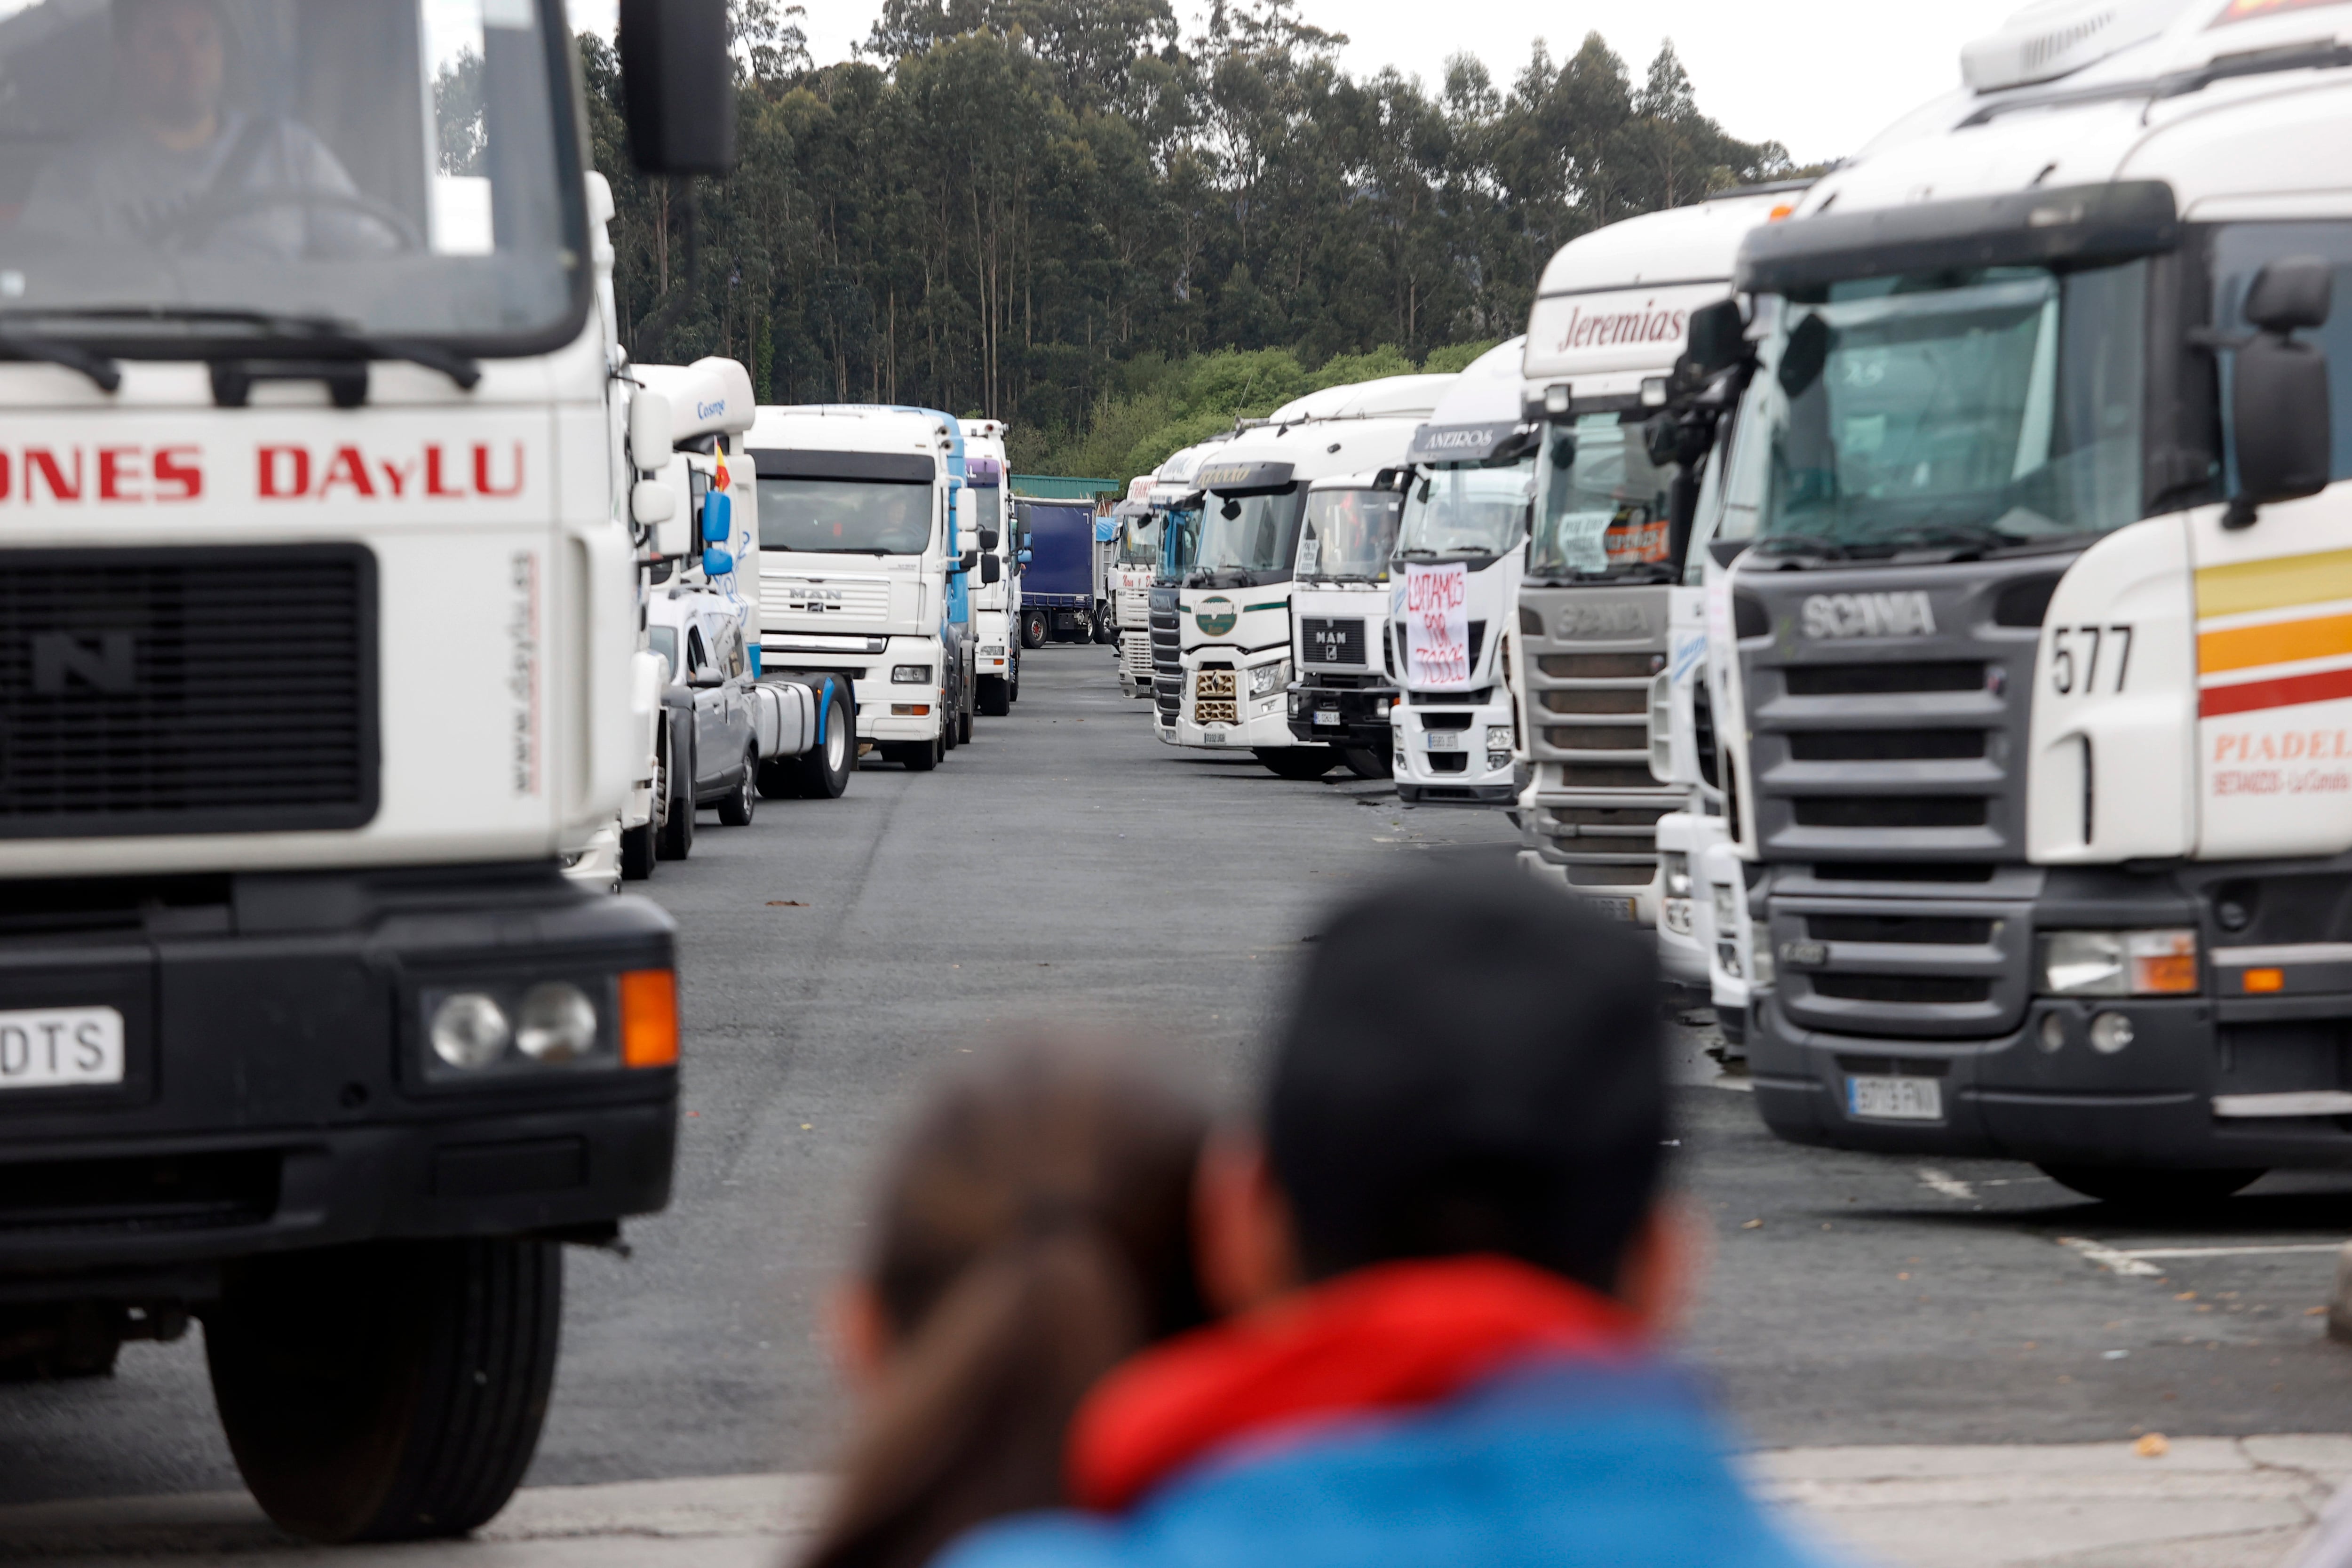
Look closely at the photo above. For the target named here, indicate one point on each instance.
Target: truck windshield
(1970, 410)
(1348, 534)
(851, 517)
(232, 175)
(1253, 532)
(1180, 543)
(1467, 509)
(1139, 539)
(1601, 504)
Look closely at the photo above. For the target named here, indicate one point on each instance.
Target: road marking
(2235, 1251)
(1951, 1186)
(2107, 1257)
(2138, 1261)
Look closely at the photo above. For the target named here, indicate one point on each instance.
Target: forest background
(1063, 215)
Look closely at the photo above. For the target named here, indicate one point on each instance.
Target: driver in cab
(178, 170)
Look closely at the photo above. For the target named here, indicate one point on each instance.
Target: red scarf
(1389, 1337)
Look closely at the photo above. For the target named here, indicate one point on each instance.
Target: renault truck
(1233, 610)
(318, 503)
(2042, 657)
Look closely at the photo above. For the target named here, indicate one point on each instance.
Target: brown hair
(1034, 1231)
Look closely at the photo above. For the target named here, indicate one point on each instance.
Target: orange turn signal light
(649, 1019)
(910, 710)
(2263, 980)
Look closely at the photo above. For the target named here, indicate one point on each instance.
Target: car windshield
(1979, 409)
(1252, 533)
(1467, 509)
(1600, 503)
(1348, 534)
(1139, 539)
(855, 517)
(235, 175)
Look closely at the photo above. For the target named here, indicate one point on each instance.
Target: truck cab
(1177, 500)
(1341, 616)
(996, 583)
(857, 546)
(1134, 559)
(1234, 616)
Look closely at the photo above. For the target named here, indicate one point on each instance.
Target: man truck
(316, 653)
(996, 590)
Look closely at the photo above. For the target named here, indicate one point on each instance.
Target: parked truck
(1174, 496)
(2038, 643)
(312, 1038)
(1135, 559)
(1061, 581)
(996, 589)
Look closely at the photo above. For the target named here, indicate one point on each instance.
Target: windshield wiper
(1797, 544)
(101, 370)
(312, 332)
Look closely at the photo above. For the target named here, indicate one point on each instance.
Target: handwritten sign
(1437, 626)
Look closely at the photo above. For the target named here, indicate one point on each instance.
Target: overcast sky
(1820, 75)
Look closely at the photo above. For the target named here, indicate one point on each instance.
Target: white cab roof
(1390, 397)
(705, 397)
(1614, 305)
(1487, 391)
(1681, 245)
(846, 428)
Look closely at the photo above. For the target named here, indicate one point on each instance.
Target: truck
(860, 551)
(1061, 579)
(1459, 546)
(304, 1031)
(1178, 501)
(1135, 559)
(2035, 634)
(996, 595)
(1234, 607)
(1610, 540)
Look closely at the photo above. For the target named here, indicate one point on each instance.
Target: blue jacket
(1553, 1462)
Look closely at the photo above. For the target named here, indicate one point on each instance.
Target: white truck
(1234, 611)
(996, 586)
(1134, 562)
(2038, 646)
(858, 539)
(1460, 547)
(1177, 499)
(316, 657)
(1610, 540)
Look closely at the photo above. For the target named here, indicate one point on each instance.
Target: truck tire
(822, 773)
(964, 712)
(1105, 629)
(2148, 1187)
(638, 851)
(392, 1391)
(1367, 763)
(736, 809)
(950, 713)
(1034, 628)
(1013, 679)
(920, 757)
(1297, 762)
(995, 696)
(676, 841)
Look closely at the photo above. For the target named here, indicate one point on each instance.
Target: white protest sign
(1437, 626)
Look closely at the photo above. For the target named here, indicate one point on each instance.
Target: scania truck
(1610, 321)
(2040, 642)
(996, 586)
(857, 540)
(1234, 614)
(316, 495)
(1455, 587)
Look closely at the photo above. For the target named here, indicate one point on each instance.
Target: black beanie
(1473, 1063)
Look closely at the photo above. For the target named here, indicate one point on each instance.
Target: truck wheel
(386, 1392)
(1106, 630)
(1297, 762)
(963, 720)
(736, 810)
(677, 784)
(1012, 680)
(948, 715)
(1033, 629)
(638, 851)
(1367, 763)
(2147, 1187)
(922, 756)
(822, 771)
(995, 696)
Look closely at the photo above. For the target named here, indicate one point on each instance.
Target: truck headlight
(469, 1030)
(1268, 678)
(1677, 869)
(1677, 913)
(1498, 737)
(1726, 906)
(1380, 706)
(911, 675)
(558, 1023)
(2117, 963)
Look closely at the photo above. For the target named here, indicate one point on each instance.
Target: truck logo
(1216, 616)
(1602, 621)
(816, 601)
(107, 662)
(1901, 615)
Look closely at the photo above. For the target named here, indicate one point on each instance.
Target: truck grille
(1134, 606)
(828, 600)
(1167, 663)
(1323, 640)
(203, 690)
(1135, 656)
(1589, 655)
(1216, 697)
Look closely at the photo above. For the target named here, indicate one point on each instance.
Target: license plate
(50, 1048)
(1625, 909)
(1895, 1098)
(1443, 739)
(1325, 716)
(1212, 737)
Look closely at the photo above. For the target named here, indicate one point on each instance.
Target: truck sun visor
(804, 463)
(2078, 225)
(1461, 443)
(1228, 479)
(983, 473)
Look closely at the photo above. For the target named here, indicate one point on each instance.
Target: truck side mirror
(1023, 558)
(652, 503)
(718, 517)
(649, 431)
(1719, 338)
(989, 539)
(2278, 391)
(678, 78)
(992, 570)
(968, 539)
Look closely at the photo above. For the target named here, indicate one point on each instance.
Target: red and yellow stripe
(2252, 587)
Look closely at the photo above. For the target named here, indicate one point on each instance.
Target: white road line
(2139, 1262)
(2107, 1257)
(1951, 1186)
(2234, 1251)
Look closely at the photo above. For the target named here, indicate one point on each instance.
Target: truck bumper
(1347, 716)
(279, 1091)
(1464, 769)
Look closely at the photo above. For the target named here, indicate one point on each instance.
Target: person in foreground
(1447, 1267)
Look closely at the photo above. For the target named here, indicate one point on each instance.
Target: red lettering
(117, 465)
(482, 471)
(348, 469)
(189, 477)
(296, 459)
(4, 476)
(42, 461)
(396, 474)
(433, 484)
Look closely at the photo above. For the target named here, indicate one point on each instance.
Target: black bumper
(1353, 716)
(276, 1093)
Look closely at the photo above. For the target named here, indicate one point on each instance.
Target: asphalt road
(1065, 870)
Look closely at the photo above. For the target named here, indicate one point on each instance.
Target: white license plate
(1443, 739)
(1895, 1098)
(1625, 909)
(49, 1048)
(1212, 737)
(1325, 716)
